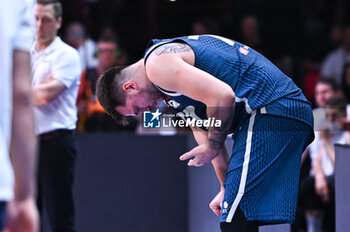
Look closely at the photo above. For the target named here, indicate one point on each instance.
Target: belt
(55, 134)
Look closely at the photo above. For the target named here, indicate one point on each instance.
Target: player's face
(138, 101)
(46, 25)
(323, 93)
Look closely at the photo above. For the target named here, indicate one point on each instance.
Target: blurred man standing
(56, 71)
(15, 41)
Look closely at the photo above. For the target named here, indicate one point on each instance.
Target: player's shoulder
(173, 47)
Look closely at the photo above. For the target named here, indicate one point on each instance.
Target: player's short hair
(57, 6)
(328, 81)
(338, 103)
(110, 93)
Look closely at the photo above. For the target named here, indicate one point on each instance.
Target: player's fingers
(187, 155)
(194, 162)
(216, 210)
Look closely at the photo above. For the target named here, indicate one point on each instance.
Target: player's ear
(128, 86)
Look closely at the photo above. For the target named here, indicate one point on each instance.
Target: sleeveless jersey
(256, 82)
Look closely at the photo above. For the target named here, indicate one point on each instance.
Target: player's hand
(321, 188)
(216, 204)
(22, 216)
(200, 155)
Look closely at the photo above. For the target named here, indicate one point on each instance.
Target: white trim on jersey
(245, 100)
(195, 37)
(173, 94)
(244, 175)
(226, 40)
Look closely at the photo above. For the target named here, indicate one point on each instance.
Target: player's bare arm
(171, 67)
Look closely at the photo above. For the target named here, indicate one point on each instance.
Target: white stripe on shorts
(244, 168)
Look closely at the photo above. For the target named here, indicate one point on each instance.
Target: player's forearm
(220, 165)
(224, 111)
(220, 162)
(23, 141)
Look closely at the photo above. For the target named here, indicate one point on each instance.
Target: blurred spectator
(336, 36)
(205, 26)
(56, 71)
(76, 37)
(251, 33)
(345, 85)
(317, 190)
(310, 79)
(108, 31)
(334, 63)
(92, 116)
(315, 48)
(325, 89)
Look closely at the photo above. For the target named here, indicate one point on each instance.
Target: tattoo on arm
(217, 136)
(172, 48)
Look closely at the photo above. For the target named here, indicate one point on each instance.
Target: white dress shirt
(62, 61)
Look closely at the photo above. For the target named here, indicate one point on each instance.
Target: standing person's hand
(321, 187)
(22, 216)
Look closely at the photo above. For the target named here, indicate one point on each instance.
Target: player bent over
(209, 76)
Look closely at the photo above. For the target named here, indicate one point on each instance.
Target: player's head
(48, 17)
(325, 89)
(126, 91)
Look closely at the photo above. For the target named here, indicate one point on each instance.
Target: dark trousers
(239, 224)
(2, 214)
(55, 179)
(309, 201)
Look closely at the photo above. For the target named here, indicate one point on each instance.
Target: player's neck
(140, 72)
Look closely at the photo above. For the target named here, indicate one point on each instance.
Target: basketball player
(209, 76)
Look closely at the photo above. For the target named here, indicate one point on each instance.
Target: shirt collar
(49, 48)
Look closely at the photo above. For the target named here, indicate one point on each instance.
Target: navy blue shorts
(263, 173)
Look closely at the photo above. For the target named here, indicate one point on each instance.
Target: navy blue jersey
(256, 82)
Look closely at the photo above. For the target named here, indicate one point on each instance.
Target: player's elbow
(222, 98)
(228, 97)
